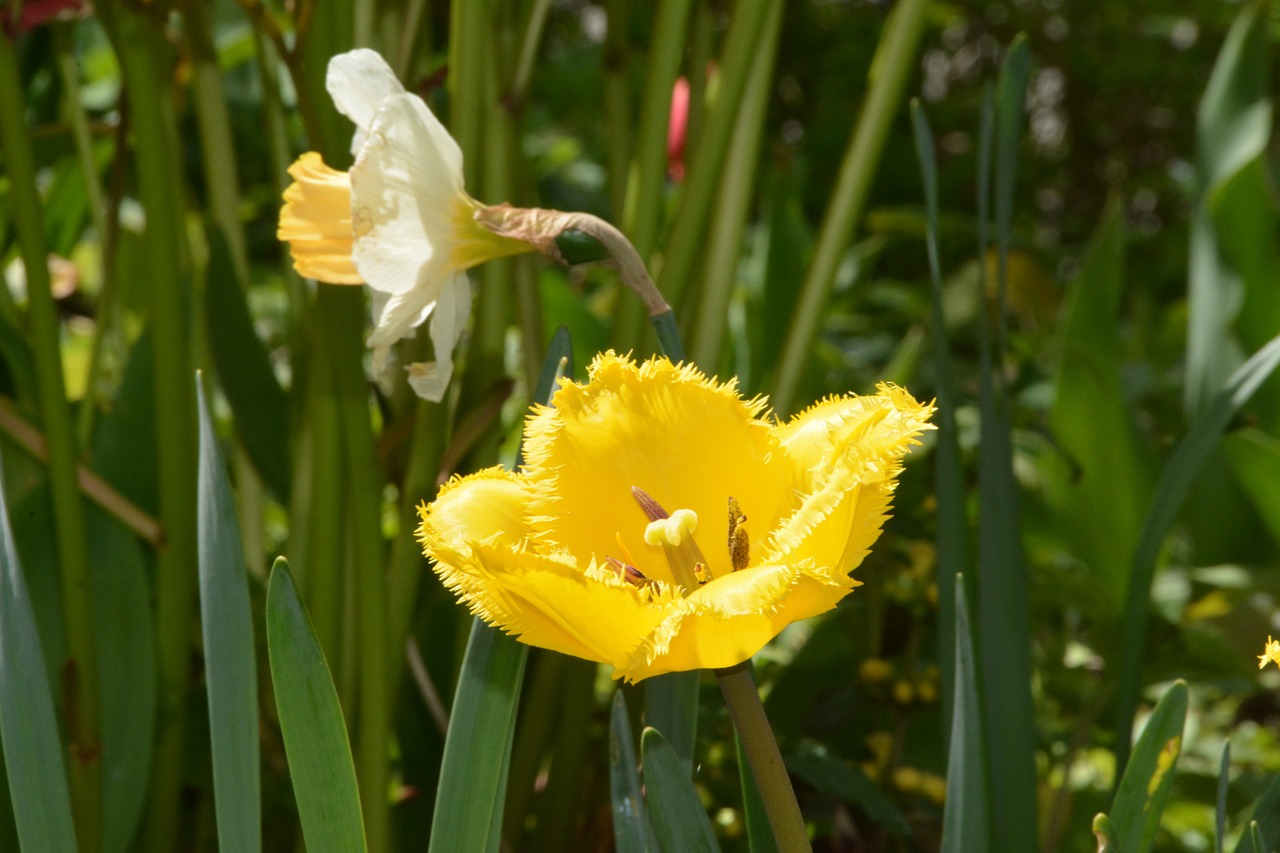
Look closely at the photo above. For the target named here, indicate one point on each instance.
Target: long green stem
(687, 236)
(617, 103)
(80, 692)
(646, 184)
(155, 137)
(743, 702)
(733, 203)
(892, 63)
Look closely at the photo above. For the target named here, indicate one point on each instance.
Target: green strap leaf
(257, 401)
(1106, 835)
(482, 723)
(953, 534)
(33, 753)
(965, 821)
(315, 736)
(1264, 826)
(230, 666)
(1175, 482)
(630, 833)
(1003, 607)
(679, 820)
(1220, 809)
(477, 751)
(1148, 779)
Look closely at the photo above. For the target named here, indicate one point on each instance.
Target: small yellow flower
(566, 554)
(400, 221)
(1270, 653)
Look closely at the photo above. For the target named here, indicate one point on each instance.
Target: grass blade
(953, 536)
(127, 666)
(482, 723)
(1005, 653)
(259, 405)
(630, 833)
(1148, 780)
(1233, 126)
(473, 772)
(1106, 835)
(1011, 94)
(33, 754)
(1264, 825)
(230, 665)
(1176, 480)
(315, 736)
(965, 820)
(679, 820)
(894, 60)
(1220, 809)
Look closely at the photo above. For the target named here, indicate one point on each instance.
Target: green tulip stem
(743, 701)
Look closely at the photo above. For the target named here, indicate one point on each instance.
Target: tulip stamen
(652, 509)
(739, 541)
(673, 531)
(628, 572)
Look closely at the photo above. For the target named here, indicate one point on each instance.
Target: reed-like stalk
(79, 693)
(893, 62)
(140, 48)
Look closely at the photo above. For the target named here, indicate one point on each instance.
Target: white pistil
(673, 530)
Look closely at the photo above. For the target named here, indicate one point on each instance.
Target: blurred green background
(145, 148)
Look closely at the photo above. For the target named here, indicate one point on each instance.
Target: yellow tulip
(663, 523)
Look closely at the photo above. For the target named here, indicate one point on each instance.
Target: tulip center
(674, 533)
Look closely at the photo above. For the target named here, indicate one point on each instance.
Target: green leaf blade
(33, 752)
(965, 820)
(630, 832)
(315, 735)
(230, 664)
(477, 752)
(1148, 779)
(679, 820)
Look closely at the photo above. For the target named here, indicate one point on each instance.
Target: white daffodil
(400, 220)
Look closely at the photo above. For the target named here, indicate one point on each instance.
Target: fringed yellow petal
(847, 453)
(549, 602)
(721, 624)
(814, 438)
(484, 506)
(316, 220)
(690, 442)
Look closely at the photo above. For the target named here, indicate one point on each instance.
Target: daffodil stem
(743, 701)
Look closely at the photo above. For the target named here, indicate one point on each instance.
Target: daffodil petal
(690, 442)
(358, 81)
(403, 189)
(448, 322)
(395, 317)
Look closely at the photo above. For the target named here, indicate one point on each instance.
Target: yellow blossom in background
(662, 523)
(400, 220)
(1270, 653)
